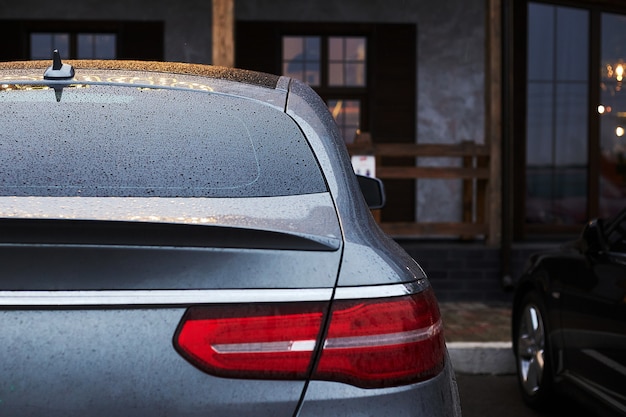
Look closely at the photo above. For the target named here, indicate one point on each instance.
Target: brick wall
(467, 271)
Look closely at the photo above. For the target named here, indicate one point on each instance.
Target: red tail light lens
(370, 343)
(383, 342)
(251, 341)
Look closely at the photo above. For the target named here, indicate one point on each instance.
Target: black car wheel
(531, 351)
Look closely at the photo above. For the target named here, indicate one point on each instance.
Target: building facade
(497, 125)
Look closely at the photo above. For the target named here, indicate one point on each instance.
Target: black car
(569, 320)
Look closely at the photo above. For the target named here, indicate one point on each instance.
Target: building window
(612, 113)
(301, 58)
(73, 45)
(347, 114)
(336, 66)
(557, 115)
(569, 107)
(346, 61)
(96, 46)
(42, 44)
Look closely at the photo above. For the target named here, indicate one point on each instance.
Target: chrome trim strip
(379, 291)
(158, 297)
(188, 297)
(385, 339)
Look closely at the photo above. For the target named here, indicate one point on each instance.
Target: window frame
(515, 120)
(73, 43)
(136, 40)
(390, 113)
(341, 92)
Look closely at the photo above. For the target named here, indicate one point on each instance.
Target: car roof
(201, 70)
(266, 88)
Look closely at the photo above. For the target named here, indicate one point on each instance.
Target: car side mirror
(373, 191)
(592, 238)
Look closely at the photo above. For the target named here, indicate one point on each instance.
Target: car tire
(532, 352)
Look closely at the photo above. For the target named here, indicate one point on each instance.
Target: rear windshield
(101, 141)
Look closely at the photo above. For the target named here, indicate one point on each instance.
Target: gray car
(188, 240)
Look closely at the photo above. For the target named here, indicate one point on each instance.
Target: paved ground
(479, 338)
(498, 396)
(476, 322)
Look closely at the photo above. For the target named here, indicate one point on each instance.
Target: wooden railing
(471, 167)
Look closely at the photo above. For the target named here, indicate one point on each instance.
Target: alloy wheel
(531, 345)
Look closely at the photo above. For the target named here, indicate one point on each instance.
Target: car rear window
(100, 141)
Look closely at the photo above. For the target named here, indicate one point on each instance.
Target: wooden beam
(451, 173)
(405, 229)
(417, 150)
(223, 33)
(493, 130)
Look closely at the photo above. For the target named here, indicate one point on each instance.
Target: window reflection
(347, 114)
(557, 120)
(336, 67)
(301, 58)
(88, 45)
(612, 115)
(42, 44)
(96, 46)
(346, 61)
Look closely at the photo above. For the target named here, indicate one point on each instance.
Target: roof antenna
(56, 60)
(58, 70)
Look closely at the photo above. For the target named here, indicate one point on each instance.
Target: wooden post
(493, 96)
(223, 33)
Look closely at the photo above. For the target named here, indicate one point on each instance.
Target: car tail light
(383, 342)
(369, 343)
(251, 341)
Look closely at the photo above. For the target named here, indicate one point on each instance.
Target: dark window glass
(346, 61)
(337, 67)
(88, 45)
(557, 115)
(42, 44)
(301, 58)
(612, 111)
(347, 114)
(96, 46)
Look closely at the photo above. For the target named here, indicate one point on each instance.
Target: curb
(493, 358)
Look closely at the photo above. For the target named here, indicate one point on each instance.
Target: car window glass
(94, 140)
(617, 239)
(615, 231)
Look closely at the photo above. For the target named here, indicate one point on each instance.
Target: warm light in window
(619, 131)
(619, 72)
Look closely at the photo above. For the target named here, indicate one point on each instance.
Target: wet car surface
(181, 239)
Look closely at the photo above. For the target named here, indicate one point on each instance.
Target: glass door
(612, 112)
(557, 109)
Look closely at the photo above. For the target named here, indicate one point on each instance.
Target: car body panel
(433, 398)
(583, 286)
(103, 362)
(311, 216)
(99, 284)
(92, 267)
(360, 231)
